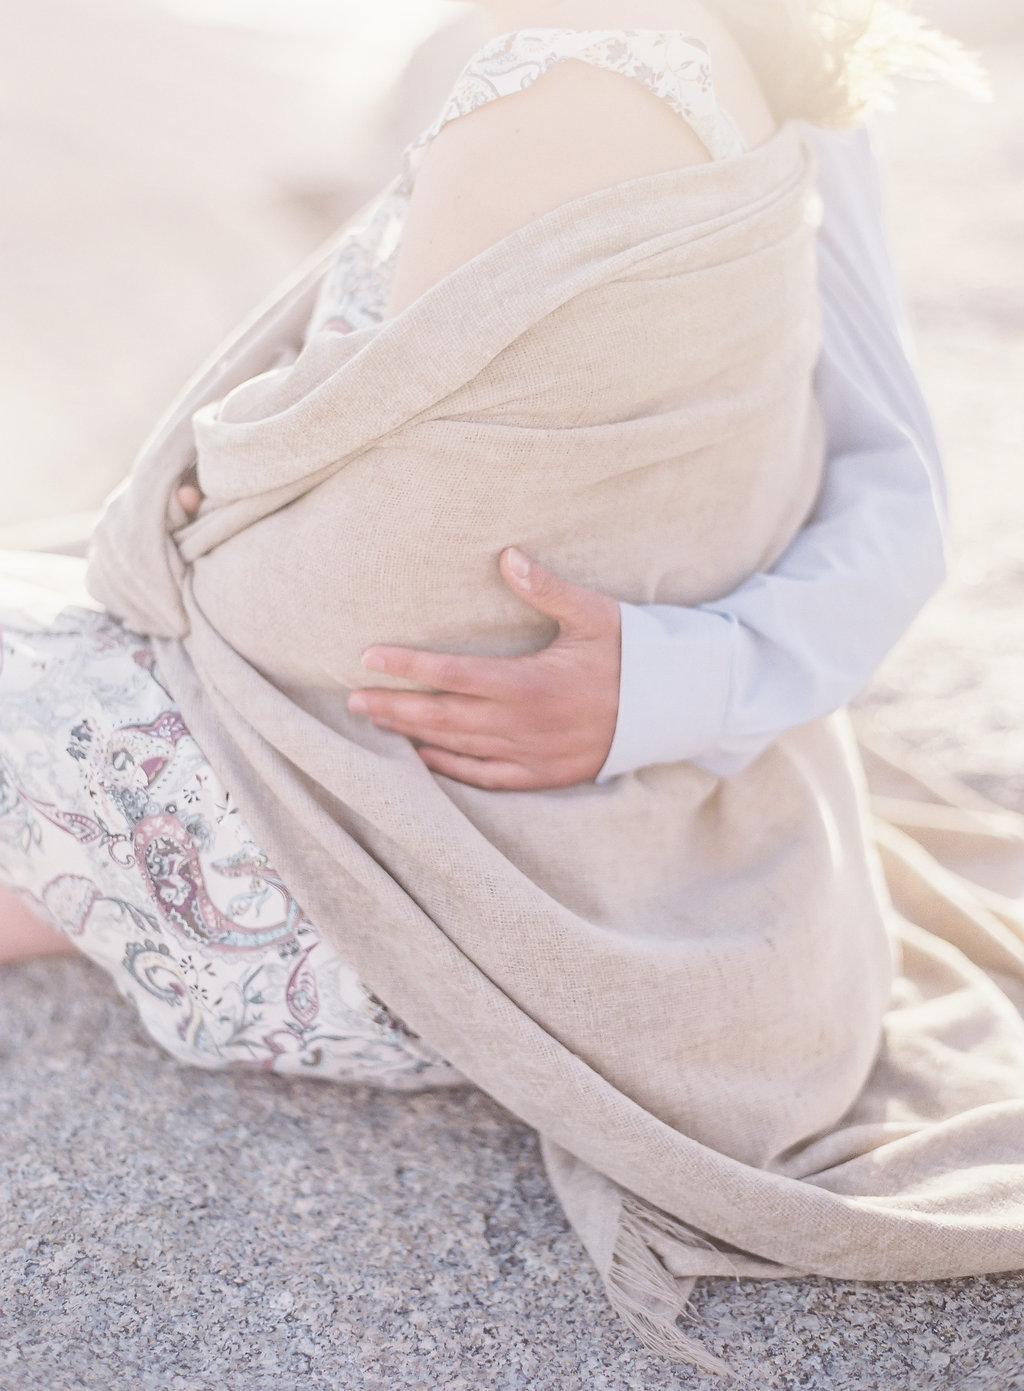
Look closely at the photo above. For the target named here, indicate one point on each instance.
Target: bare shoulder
(576, 129)
(735, 81)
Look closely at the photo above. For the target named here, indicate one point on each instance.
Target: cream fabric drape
(740, 1056)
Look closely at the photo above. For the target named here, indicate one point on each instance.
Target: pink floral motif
(98, 771)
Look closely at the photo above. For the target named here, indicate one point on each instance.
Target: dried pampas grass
(832, 61)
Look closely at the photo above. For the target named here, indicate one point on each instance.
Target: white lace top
(670, 64)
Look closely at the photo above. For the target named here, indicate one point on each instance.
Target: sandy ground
(955, 687)
(165, 1230)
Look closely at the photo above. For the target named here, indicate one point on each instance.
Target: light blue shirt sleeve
(714, 685)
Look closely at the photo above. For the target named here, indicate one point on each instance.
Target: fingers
(464, 675)
(543, 719)
(190, 498)
(573, 607)
(579, 612)
(459, 724)
(492, 774)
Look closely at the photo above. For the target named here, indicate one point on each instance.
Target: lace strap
(672, 65)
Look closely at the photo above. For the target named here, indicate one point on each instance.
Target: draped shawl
(740, 1057)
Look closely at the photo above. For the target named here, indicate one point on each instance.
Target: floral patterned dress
(116, 830)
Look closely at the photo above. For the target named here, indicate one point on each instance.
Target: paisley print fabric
(115, 829)
(114, 826)
(355, 293)
(672, 65)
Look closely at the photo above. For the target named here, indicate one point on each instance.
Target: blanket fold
(740, 1056)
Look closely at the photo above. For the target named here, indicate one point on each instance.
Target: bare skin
(518, 723)
(547, 719)
(23, 935)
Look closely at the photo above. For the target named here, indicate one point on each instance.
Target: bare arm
(575, 130)
(718, 683)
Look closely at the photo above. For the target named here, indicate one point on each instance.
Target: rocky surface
(169, 1230)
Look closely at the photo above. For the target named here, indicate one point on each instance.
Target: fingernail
(373, 660)
(358, 704)
(518, 564)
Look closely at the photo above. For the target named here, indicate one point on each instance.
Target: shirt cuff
(674, 685)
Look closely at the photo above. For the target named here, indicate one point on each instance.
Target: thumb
(574, 608)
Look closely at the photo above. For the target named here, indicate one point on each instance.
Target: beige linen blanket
(740, 1057)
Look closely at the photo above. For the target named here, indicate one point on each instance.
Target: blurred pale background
(165, 162)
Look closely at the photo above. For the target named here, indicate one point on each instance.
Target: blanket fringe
(647, 1297)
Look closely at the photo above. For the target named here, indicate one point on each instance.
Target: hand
(518, 723)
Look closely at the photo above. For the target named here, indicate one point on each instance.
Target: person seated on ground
(694, 986)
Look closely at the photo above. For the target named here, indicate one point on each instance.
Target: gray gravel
(164, 1229)
(169, 1230)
